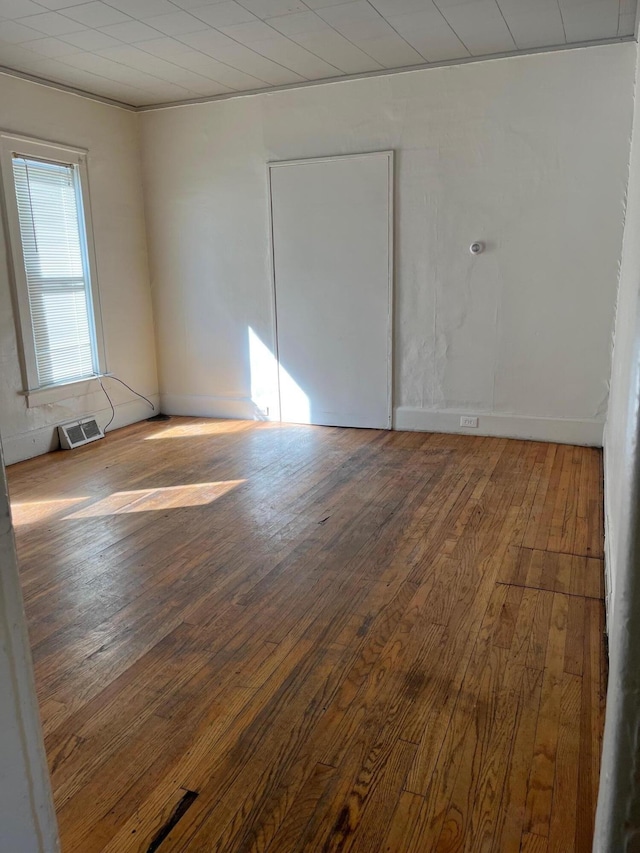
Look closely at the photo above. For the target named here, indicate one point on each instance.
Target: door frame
(277, 164)
(27, 813)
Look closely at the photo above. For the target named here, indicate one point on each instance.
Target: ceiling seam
(288, 38)
(379, 13)
(445, 19)
(515, 43)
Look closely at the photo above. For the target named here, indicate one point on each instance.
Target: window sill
(57, 393)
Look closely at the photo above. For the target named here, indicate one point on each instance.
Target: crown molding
(63, 87)
(386, 72)
(347, 78)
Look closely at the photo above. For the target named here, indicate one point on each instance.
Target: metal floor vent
(79, 432)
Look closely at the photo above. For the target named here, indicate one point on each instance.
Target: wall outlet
(469, 421)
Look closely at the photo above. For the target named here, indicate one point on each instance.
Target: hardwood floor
(253, 637)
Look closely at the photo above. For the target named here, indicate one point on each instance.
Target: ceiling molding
(63, 87)
(386, 72)
(383, 72)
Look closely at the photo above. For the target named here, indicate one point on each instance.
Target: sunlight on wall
(146, 500)
(264, 376)
(295, 403)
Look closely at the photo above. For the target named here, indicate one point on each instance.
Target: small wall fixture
(476, 248)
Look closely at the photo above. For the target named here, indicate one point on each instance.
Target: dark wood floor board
(531, 843)
(554, 571)
(558, 516)
(106, 654)
(540, 630)
(546, 458)
(337, 640)
(304, 808)
(376, 786)
(479, 526)
(98, 724)
(508, 827)
(270, 749)
(79, 818)
(469, 822)
(461, 656)
(562, 533)
(138, 837)
(405, 824)
(574, 648)
(373, 643)
(217, 731)
(542, 773)
(506, 626)
(565, 790)
(388, 693)
(552, 497)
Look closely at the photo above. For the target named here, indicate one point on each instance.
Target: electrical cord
(100, 376)
(142, 397)
(113, 411)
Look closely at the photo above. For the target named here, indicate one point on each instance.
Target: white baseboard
(583, 432)
(195, 406)
(17, 448)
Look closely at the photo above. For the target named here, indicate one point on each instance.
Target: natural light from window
(54, 250)
(31, 512)
(264, 378)
(208, 427)
(147, 500)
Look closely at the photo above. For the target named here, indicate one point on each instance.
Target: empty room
(320, 426)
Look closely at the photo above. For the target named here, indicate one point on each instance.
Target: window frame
(10, 145)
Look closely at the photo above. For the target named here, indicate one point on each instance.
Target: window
(51, 246)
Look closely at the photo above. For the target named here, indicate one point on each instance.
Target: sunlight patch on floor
(30, 512)
(209, 427)
(147, 500)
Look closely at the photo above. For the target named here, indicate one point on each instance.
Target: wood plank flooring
(261, 637)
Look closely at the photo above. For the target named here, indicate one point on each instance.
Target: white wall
(528, 154)
(621, 432)
(618, 816)
(111, 137)
(27, 821)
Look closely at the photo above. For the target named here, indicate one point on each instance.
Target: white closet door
(332, 253)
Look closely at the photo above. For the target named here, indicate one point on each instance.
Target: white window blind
(57, 272)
